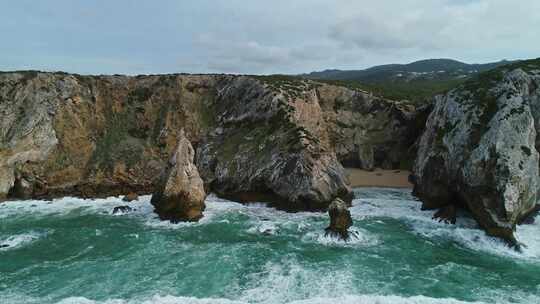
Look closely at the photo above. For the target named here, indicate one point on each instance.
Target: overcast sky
(259, 37)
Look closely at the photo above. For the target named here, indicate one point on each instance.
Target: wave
(346, 299)
(399, 204)
(20, 240)
(371, 203)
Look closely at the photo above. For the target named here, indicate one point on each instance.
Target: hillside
(414, 81)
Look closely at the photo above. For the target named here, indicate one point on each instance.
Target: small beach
(379, 178)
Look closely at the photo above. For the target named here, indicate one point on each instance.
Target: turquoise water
(76, 251)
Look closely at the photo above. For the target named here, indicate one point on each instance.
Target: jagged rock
(259, 138)
(122, 209)
(340, 219)
(272, 146)
(446, 214)
(132, 196)
(22, 188)
(479, 149)
(368, 131)
(180, 193)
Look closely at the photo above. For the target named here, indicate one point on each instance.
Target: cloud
(281, 36)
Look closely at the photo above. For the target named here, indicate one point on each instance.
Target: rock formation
(367, 131)
(340, 219)
(271, 144)
(480, 149)
(277, 139)
(180, 192)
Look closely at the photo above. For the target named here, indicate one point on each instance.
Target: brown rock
(180, 194)
(340, 219)
(132, 196)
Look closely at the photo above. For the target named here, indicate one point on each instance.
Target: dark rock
(122, 209)
(340, 219)
(446, 214)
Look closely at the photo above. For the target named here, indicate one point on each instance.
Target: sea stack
(180, 192)
(340, 219)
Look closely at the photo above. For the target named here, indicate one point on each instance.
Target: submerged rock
(340, 219)
(122, 209)
(180, 193)
(480, 149)
(446, 214)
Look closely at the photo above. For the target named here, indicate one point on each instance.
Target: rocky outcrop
(480, 149)
(367, 131)
(270, 144)
(180, 192)
(95, 136)
(340, 219)
(258, 138)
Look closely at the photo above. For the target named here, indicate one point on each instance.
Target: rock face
(95, 136)
(271, 144)
(180, 193)
(367, 131)
(340, 219)
(274, 139)
(480, 149)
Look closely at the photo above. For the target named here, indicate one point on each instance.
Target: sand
(379, 178)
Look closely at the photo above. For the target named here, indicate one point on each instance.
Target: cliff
(256, 138)
(480, 149)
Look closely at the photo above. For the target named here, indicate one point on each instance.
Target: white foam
(401, 206)
(345, 299)
(20, 240)
(357, 238)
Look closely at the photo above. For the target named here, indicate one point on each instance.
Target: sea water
(72, 251)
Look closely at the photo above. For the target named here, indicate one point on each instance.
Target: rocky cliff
(480, 149)
(257, 138)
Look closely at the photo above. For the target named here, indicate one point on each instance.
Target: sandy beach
(379, 178)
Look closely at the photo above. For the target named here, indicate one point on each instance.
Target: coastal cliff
(480, 149)
(256, 138)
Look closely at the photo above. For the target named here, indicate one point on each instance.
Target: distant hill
(414, 81)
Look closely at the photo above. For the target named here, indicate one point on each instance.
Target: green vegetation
(291, 86)
(419, 91)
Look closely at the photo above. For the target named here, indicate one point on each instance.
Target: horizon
(239, 37)
(244, 74)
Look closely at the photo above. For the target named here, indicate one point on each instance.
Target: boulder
(132, 196)
(340, 219)
(122, 209)
(479, 149)
(180, 192)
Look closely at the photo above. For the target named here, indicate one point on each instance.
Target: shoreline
(360, 178)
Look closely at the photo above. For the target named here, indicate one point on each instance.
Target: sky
(259, 36)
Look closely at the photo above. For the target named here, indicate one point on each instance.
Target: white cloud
(245, 36)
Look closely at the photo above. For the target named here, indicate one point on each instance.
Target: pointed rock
(180, 193)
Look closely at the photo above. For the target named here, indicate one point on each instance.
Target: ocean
(73, 251)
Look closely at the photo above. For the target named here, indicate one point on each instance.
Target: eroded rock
(479, 149)
(180, 193)
(122, 209)
(275, 150)
(340, 219)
